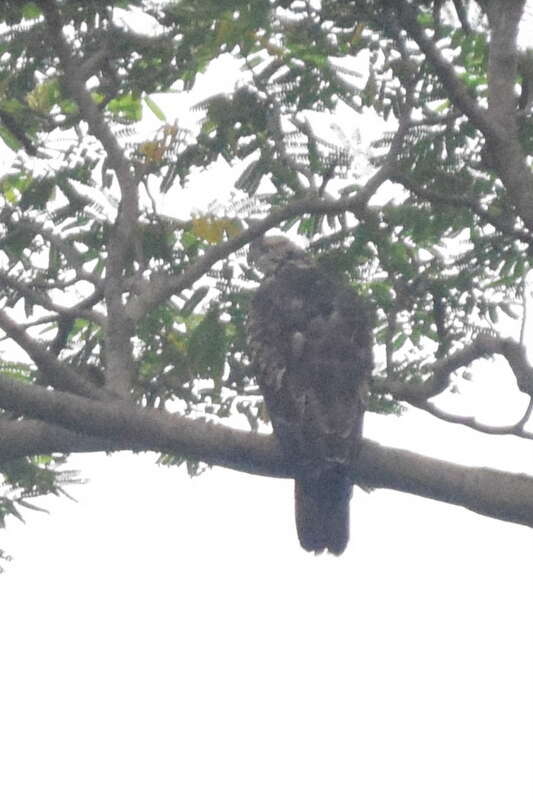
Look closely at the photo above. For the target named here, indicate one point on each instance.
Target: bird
(309, 338)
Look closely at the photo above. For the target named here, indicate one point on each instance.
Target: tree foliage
(124, 293)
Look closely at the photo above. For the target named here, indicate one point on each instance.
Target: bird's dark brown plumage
(309, 337)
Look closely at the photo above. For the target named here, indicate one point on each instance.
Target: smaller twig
(40, 298)
(521, 424)
(516, 429)
(59, 374)
(295, 169)
(438, 381)
(526, 299)
(462, 201)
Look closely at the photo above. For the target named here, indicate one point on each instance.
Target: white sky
(169, 638)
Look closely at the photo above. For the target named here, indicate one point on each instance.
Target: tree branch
(118, 331)
(459, 94)
(462, 201)
(73, 258)
(38, 297)
(493, 493)
(56, 372)
(504, 19)
(160, 287)
(20, 438)
(515, 429)
(498, 123)
(504, 143)
(75, 420)
(484, 345)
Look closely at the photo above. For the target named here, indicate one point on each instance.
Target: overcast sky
(168, 638)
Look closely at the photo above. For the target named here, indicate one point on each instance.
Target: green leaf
(31, 11)
(399, 340)
(128, 106)
(154, 108)
(207, 347)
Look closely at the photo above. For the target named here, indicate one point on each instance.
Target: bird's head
(269, 253)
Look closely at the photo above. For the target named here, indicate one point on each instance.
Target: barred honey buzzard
(309, 336)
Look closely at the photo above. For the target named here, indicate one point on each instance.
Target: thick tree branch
(493, 493)
(505, 147)
(504, 20)
(119, 362)
(19, 438)
(119, 422)
(505, 496)
(498, 123)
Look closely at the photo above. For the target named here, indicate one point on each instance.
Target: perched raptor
(309, 336)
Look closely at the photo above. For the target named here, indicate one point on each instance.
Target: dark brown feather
(310, 342)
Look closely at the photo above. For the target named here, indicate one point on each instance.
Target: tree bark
(79, 424)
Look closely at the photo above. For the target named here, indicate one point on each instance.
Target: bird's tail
(322, 505)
